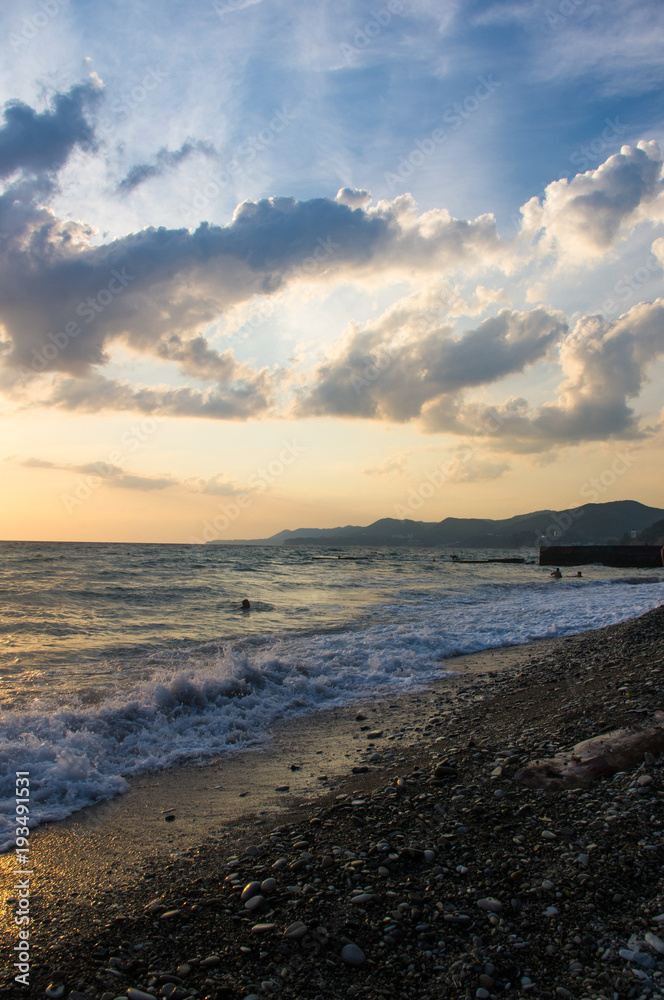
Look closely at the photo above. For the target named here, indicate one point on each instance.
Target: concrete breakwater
(636, 556)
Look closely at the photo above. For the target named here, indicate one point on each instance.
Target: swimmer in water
(246, 606)
(557, 575)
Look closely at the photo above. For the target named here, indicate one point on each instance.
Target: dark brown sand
(95, 873)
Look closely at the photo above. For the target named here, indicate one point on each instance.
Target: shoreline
(484, 704)
(207, 799)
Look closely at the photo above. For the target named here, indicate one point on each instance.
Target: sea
(118, 659)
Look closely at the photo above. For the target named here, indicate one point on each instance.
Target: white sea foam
(207, 703)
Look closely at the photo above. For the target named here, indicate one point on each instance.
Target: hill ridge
(591, 523)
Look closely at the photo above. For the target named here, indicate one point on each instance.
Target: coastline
(129, 841)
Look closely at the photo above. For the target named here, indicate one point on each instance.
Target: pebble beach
(425, 871)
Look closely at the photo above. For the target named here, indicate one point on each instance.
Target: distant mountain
(590, 524)
(654, 535)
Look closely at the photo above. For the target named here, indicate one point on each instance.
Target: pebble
(133, 994)
(352, 955)
(296, 930)
(255, 903)
(282, 788)
(250, 889)
(401, 852)
(56, 990)
(211, 962)
(443, 771)
(655, 943)
(490, 904)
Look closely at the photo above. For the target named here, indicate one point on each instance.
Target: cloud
(658, 250)
(130, 482)
(148, 287)
(504, 13)
(614, 54)
(240, 401)
(40, 142)
(65, 299)
(393, 466)
(605, 364)
(218, 486)
(112, 474)
(39, 463)
(466, 466)
(165, 160)
(224, 7)
(353, 197)
(380, 375)
(585, 216)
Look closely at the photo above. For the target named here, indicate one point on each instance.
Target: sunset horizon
(229, 280)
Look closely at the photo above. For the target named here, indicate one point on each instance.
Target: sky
(268, 265)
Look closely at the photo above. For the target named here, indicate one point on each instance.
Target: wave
(201, 701)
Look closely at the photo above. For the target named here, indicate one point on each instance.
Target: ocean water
(119, 659)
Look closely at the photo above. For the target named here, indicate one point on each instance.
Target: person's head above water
(246, 605)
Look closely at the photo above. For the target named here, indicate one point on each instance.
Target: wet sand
(213, 800)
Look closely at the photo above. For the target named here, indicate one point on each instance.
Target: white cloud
(584, 217)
